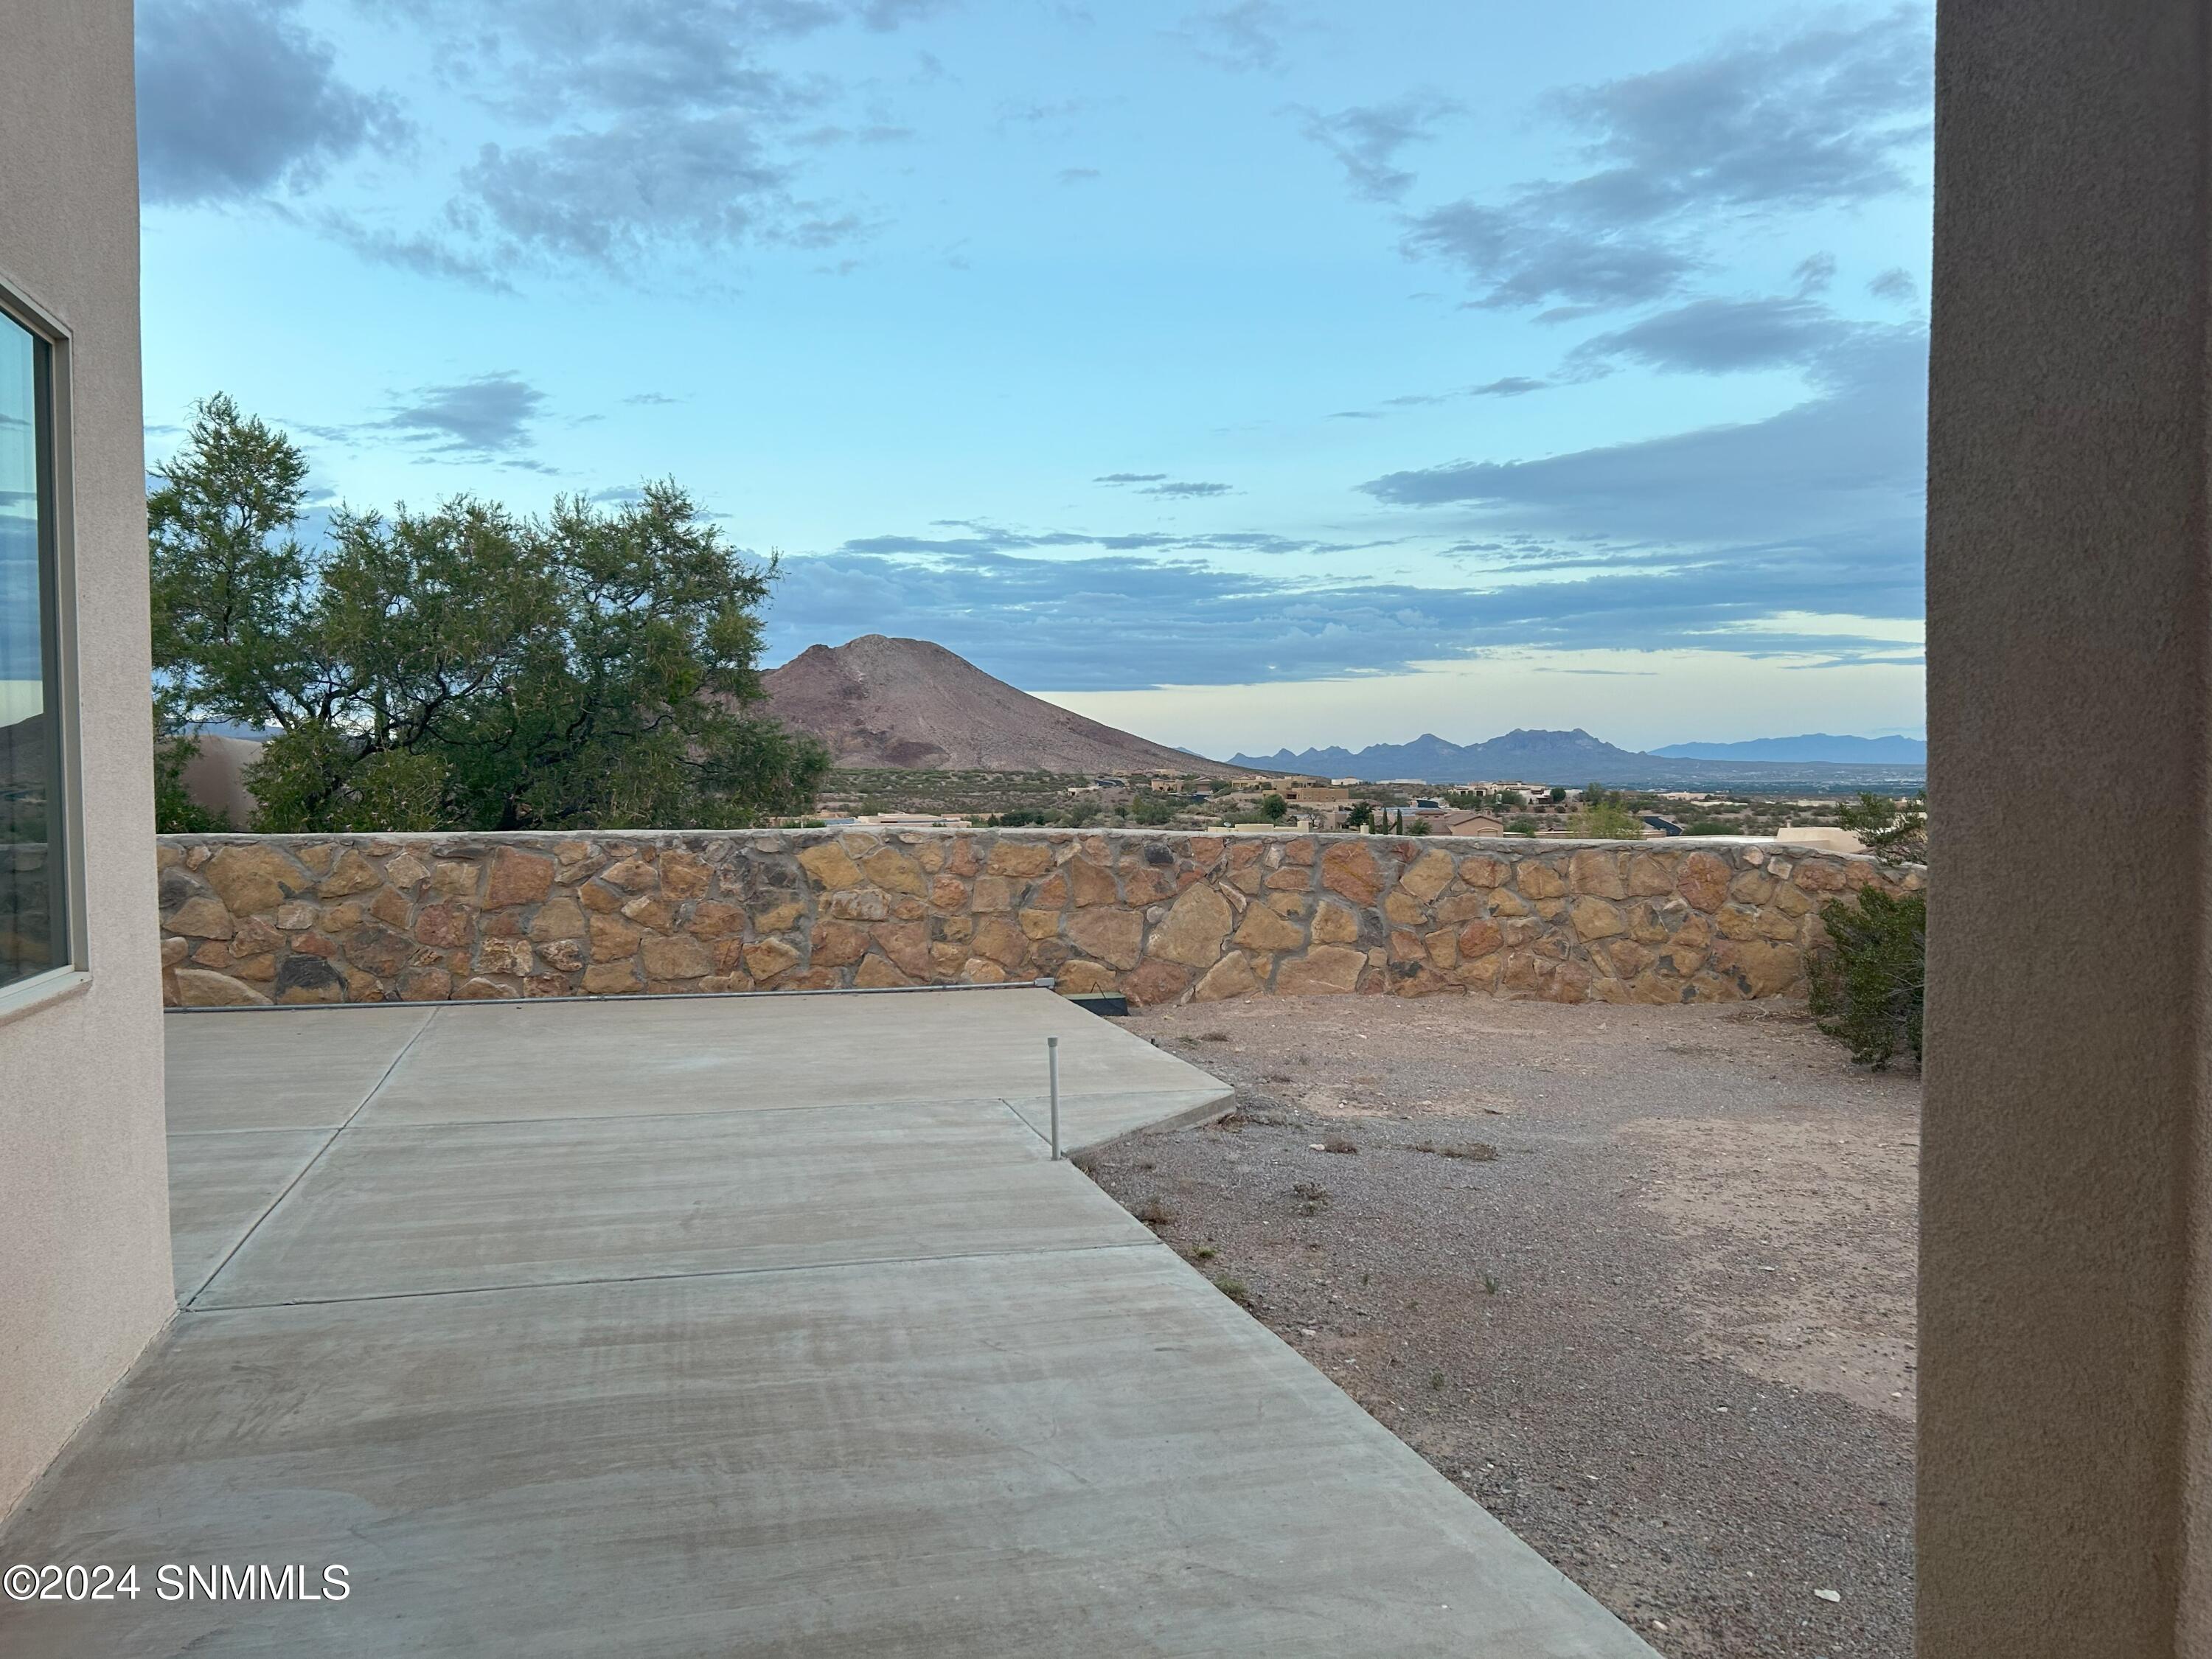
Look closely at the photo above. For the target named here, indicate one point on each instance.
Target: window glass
(33, 936)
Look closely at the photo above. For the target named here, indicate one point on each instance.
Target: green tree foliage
(1710, 827)
(463, 668)
(1418, 827)
(1894, 831)
(1523, 826)
(1869, 990)
(1275, 808)
(1361, 817)
(1606, 820)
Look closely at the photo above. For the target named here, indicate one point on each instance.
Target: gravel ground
(1656, 1314)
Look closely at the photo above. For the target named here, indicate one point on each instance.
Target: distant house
(1314, 794)
(1453, 823)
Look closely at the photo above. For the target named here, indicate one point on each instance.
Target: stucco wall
(2065, 1465)
(84, 1236)
(1159, 917)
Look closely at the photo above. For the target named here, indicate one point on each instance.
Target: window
(34, 868)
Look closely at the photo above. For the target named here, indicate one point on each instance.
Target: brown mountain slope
(879, 702)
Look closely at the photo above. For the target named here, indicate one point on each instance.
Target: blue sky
(1247, 372)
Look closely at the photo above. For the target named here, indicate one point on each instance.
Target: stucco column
(2064, 1317)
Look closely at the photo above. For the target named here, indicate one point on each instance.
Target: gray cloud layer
(236, 100)
(1828, 115)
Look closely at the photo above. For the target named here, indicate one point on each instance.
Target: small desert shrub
(1869, 990)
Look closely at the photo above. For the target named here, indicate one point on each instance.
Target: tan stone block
(1404, 911)
(614, 940)
(1294, 906)
(1231, 976)
(1039, 923)
(563, 955)
(1593, 918)
(1324, 971)
(314, 945)
(1443, 947)
(390, 907)
(1597, 874)
(948, 892)
(1751, 887)
(611, 979)
(1051, 893)
(1518, 932)
(352, 874)
(167, 855)
(199, 987)
(1626, 956)
(1333, 924)
(255, 938)
(992, 894)
(174, 951)
(877, 972)
(425, 984)
(445, 925)
(1479, 938)
(361, 987)
(1705, 881)
(1145, 883)
(1080, 978)
(1759, 967)
(1825, 876)
(1506, 903)
(838, 943)
(1458, 908)
(680, 957)
(1733, 921)
(1651, 874)
(907, 945)
(945, 959)
(779, 919)
(1089, 885)
(769, 958)
(1427, 875)
(405, 870)
(456, 877)
(684, 875)
(258, 970)
(632, 875)
(196, 857)
(506, 956)
(651, 910)
(724, 982)
(1789, 900)
(894, 872)
(1771, 923)
(1349, 867)
(829, 866)
(958, 929)
(1406, 945)
(1019, 858)
(1153, 983)
(214, 953)
(1478, 974)
(201, 917)
(1112, 936)
(1539, 880)
(1484, 870)
(1261, 929)
(559, 918)
(255, 876)
(516, 877)
(963, 860)
(857, 904)
(999, 941)
(295, 915)
(1192, 932)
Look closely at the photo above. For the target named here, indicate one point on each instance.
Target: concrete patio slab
(220, 1185)
(310, 1070)
(848, 1367)
(544, 1060)
(394, 1212)
(1043, 1454)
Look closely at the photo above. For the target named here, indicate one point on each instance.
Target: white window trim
(68, 978)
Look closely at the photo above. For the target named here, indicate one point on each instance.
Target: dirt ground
(1640, 1280)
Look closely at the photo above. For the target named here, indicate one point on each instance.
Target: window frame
(58, 635)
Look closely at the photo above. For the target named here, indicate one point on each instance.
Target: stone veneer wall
(1161, 917)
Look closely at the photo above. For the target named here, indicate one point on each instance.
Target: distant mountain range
(1576, 757)
(879, 702)
(1812, 746)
